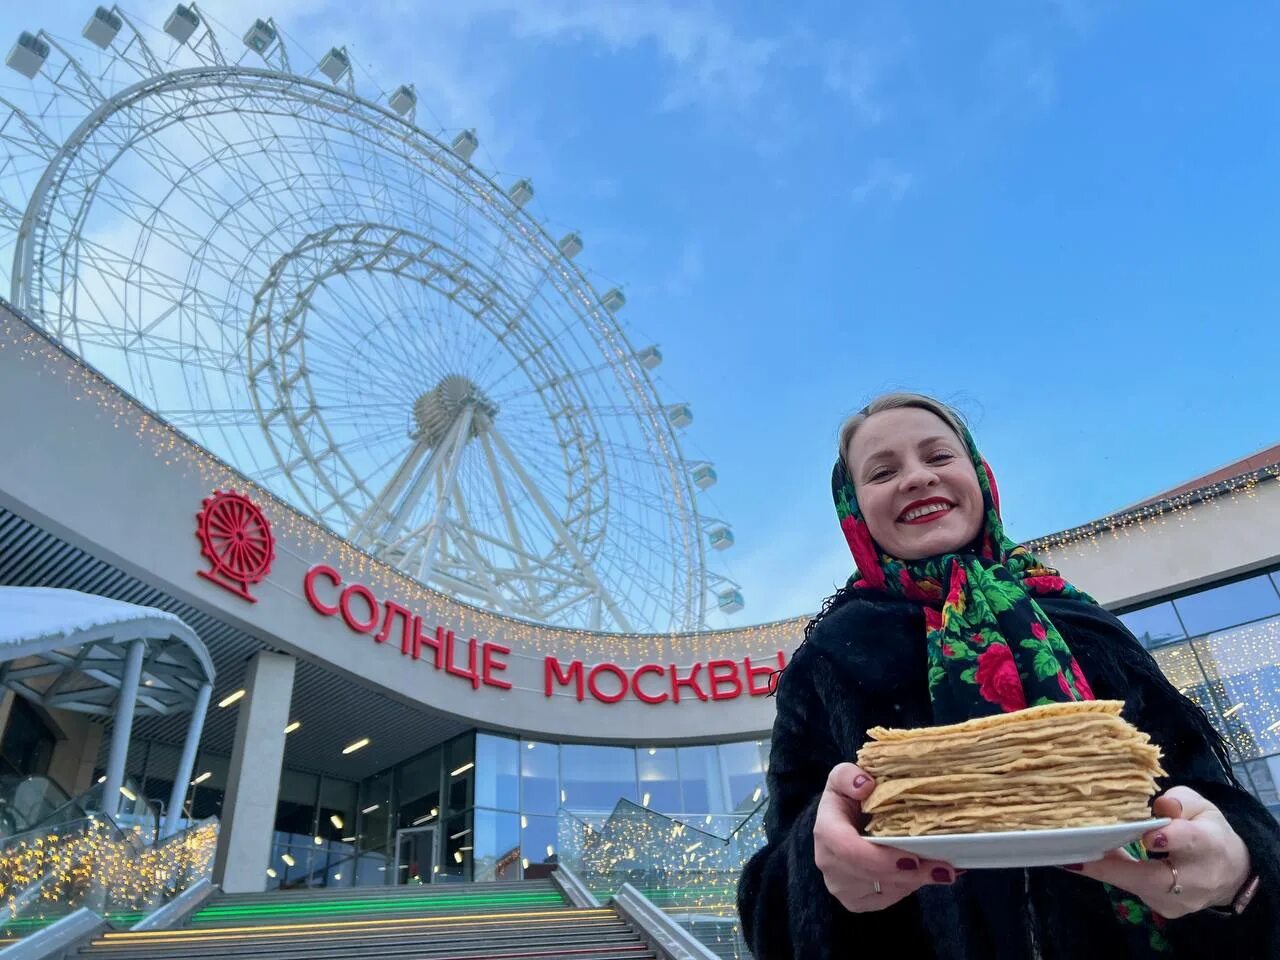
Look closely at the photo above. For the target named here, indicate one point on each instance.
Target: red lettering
(724, 672)
(635, 683)
(365, 594)
(616, 671)
(773, 674)
(691, 681)
(470, 673)
(552, 670)
(392, 609)
(309, 586)
(490, 665)
(433, 640)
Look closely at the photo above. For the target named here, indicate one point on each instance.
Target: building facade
(366, 729)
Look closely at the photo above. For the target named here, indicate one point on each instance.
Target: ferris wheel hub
(436, 411)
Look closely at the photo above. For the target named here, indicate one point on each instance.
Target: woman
(920, 510)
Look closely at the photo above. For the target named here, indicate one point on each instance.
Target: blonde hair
(897, 401)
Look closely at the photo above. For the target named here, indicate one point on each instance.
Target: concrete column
(122, 727)
(253, 783)
(183, 777)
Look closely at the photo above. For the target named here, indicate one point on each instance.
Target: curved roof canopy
(66, 649)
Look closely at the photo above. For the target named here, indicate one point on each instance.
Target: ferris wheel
(346, 308)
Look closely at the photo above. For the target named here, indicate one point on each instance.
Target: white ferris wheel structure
(351, 312)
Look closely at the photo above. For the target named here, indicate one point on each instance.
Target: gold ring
(875, 885)
(1176, 887)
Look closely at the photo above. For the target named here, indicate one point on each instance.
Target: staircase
(491, 921)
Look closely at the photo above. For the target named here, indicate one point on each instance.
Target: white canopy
(67, 649)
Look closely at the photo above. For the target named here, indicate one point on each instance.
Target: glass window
(596, 778)
(1154, 625)
(419, 790)
(1220, 607)
(539, 777)
(1264, 775)
(537, 840)
(497, 772)
(497, 845)
(375, 811)
(296, 806)
(27, 745)
(659, 779)
(337, 820)
(460, 769)
(459, 846)
(1244, 683)
(701, 781)
(744, 769)
(206, 797)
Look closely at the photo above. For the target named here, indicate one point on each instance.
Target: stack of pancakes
(1058, 765)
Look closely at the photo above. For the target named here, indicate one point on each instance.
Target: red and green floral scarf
(991, 648)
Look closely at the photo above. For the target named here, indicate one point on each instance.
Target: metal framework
(346, 308)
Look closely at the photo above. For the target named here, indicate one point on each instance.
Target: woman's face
(915, 483)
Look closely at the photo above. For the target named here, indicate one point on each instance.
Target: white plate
(1023, 848)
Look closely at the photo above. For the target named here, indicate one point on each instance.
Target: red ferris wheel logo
(236, 539)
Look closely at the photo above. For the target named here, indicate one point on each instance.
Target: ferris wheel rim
(37, 227)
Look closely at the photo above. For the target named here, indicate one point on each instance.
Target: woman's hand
(1212, 861)
(862, 875)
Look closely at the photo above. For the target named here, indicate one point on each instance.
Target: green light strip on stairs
(356, 907)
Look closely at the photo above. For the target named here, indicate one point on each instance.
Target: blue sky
(1060, 216)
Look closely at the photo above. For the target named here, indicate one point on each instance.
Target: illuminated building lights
(231, 698)
(358, 745)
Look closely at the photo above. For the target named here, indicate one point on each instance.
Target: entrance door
(415, 855)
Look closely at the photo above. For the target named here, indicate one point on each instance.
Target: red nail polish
(940, 875)
(906, 863)
(860, 781)
(1076, 867)
(1159, 841)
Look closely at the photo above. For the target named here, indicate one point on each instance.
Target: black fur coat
(863, 666)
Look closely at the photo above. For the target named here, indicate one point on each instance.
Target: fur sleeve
(783, 902)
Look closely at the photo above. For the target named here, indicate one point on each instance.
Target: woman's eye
(880, 474)
(940, 455)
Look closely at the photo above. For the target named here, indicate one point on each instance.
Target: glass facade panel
(595, 778)
(701, 780)
(459, 848)
(659, 779)
(419, 789)
(460, 770)
(1220, 607)
(744, 767)
(497, 845)
(497, 772)
(375, 810)
(539, 777)
(538, 839)
(296, 808)
(337, 820)
(206, 797)
(1244, 680)
(1154, 625)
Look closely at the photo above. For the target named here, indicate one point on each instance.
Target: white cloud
(883, 178)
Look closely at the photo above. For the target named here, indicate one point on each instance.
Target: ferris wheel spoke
(268, 229)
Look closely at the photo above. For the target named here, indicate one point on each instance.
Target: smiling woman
(947, 620)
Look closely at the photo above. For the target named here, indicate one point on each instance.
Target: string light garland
(306, 538)
(98, 866)
(685, 870)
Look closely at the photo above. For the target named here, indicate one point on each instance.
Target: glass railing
(76, 859)
(26, 802)
(689, 867)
